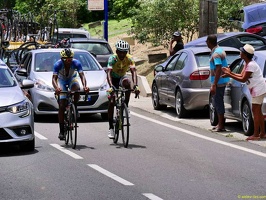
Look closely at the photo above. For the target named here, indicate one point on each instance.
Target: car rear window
(96, 48)
(203, 60)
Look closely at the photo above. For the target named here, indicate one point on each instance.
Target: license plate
(83, 98)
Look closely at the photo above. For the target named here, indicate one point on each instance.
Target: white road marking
(152, 196)
(73, 155)
(110, 175)
(38, 135)
(202, 136)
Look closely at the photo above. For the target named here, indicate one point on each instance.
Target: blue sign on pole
(106, 19)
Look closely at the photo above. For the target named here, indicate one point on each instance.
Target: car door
(234, 91)
(175, 77)
(162, 83)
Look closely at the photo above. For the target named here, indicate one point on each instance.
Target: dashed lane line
(110, 175)
(38, 135)
(64, 150)
(152, 196)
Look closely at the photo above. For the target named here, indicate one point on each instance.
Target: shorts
(118, 81)
(258, 99)
(218, 100)
(65, 84)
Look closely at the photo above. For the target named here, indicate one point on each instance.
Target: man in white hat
(177, 37)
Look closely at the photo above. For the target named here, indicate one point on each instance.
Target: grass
(114, 28)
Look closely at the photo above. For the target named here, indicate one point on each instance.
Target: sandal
(253, 138)
(216, 129)
(263, 137)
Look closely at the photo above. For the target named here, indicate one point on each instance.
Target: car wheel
(179, 105)
(28, 146)
(104, 116)
(212, 113)
(247, 120)
(155, 99)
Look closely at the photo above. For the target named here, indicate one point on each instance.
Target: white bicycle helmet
(122, 45)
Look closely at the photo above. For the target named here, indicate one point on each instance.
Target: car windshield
(6, 78)
(96, 48)
(203, 60)
(44, 61)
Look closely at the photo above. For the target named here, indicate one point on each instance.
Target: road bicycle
(121, 116)
(70, 119)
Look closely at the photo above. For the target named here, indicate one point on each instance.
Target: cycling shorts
(65, 84)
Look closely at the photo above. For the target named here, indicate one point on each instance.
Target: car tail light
(200, 75)
(254, 30)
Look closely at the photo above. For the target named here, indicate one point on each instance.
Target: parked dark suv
(100, 48)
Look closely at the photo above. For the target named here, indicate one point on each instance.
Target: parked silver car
(237, 98)
(16, 111)
(39, 66)
(183, 81)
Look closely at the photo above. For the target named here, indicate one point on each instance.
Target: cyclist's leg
(126, 83)
(115, 82)
(74, 86)
(62, 105)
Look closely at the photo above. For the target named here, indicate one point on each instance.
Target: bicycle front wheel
(125, 125)
(116, 127)
(73, 126)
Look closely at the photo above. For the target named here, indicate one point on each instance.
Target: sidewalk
(145, 103)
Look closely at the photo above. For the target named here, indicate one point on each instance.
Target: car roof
(220, 36)
(197, 50)
(92, 40)
(55, 50)
(254, 14)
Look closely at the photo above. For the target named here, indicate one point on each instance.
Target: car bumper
(196, 99)
(15, 128)
(45, 103)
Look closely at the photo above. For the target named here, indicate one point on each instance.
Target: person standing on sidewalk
(218, 83)
(177, 37)
(252, 76)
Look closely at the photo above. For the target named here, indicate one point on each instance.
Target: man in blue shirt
(218, 83)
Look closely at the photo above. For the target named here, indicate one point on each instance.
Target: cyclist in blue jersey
(65, 75)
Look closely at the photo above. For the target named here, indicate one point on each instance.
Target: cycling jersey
(59, 69)
(120, 67)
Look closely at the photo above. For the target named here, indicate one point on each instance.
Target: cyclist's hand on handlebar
(86, 89)
(58, 90)
(111, 89)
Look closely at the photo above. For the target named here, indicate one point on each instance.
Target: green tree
(156, 20)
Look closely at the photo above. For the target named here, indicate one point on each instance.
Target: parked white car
(16, 111)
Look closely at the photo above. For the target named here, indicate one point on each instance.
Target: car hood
(254, 14)
(95, 79)
(11, 96)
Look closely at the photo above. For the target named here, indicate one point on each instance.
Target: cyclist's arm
(109, 78)
(55, 84)
(83, 81)
(134, 75)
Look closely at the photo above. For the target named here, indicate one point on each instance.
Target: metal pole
(106, 20)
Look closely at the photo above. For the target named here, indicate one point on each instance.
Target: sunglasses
(66, 59)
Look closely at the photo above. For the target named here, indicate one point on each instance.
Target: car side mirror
(22, 72)
(27, 84)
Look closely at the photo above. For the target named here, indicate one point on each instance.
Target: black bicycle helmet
(122, 45)
(67, 53)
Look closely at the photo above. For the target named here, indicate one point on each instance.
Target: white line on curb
(110, 175)
(202, 136)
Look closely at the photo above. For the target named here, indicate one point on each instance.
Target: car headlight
(22, 107)
(41, 85)
(104, 86)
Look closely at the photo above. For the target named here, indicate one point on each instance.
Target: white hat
(177, 34)
(247, 49)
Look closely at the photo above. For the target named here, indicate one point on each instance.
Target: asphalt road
(165, 160)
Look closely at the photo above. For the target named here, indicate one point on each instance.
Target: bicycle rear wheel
(125, 125)
(73, 126)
